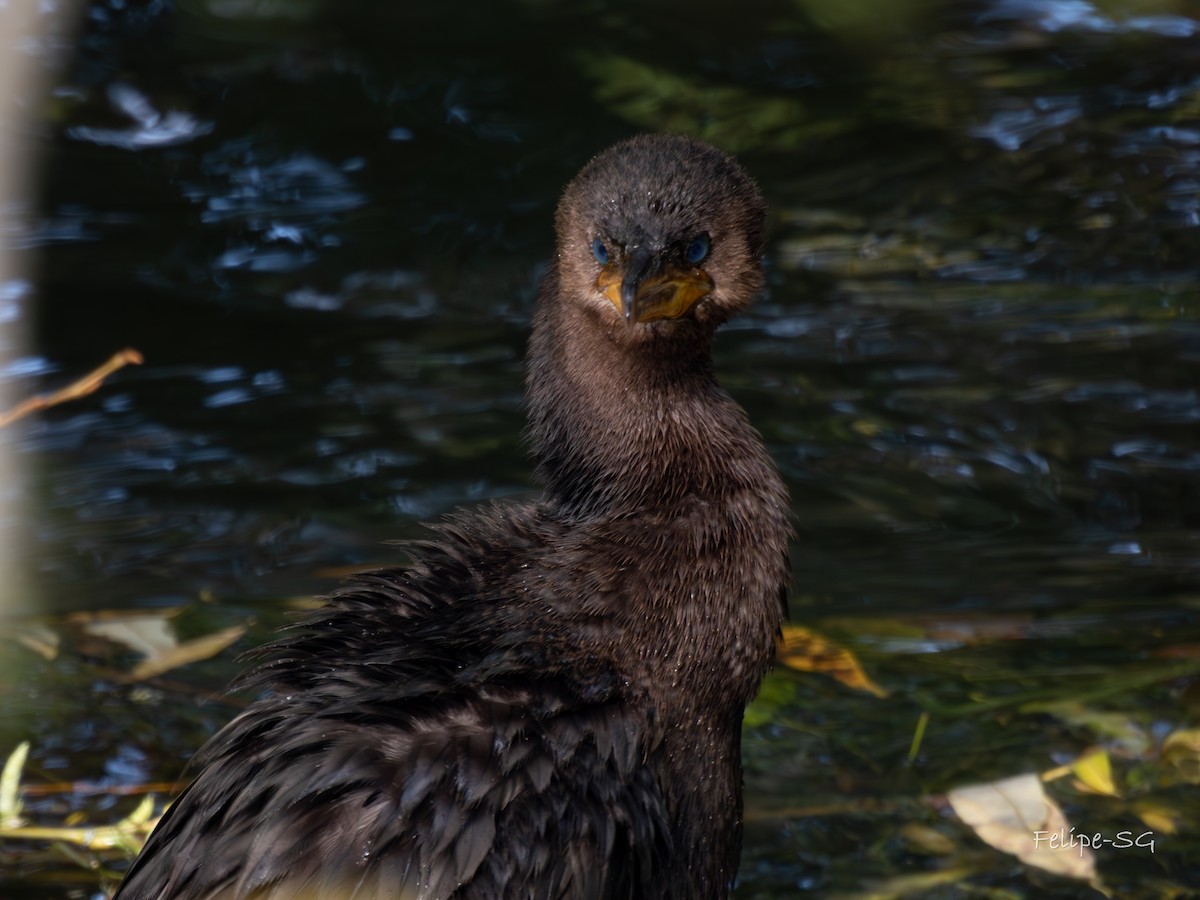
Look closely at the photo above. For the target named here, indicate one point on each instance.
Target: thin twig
(81, 388)
(85, 789)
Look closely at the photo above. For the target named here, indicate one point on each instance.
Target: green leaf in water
(729, 116)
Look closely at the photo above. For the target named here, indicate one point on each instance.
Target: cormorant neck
(620, 424)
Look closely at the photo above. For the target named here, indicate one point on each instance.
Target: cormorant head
(661, 229)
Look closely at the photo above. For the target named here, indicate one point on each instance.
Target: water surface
(976, 363)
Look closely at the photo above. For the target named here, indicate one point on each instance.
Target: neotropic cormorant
(546, 702)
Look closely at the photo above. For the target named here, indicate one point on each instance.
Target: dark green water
(978, 365)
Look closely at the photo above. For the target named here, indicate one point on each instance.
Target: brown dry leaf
(1016, 816)
(971, 629)
(188, 652)
(1177, 651)
(807, 651)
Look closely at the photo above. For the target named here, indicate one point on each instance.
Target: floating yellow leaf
(807, 651)
(1158, 819)
(142, 814)
(1016, 816)
(1094, 772)
(10, 783)
(1181, 753)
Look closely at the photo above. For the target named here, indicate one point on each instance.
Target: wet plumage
(546, 701)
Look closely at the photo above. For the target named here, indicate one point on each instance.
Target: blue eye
(600, 252)
(697, 250)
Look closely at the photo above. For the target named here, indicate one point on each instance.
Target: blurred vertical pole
(34, 40)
